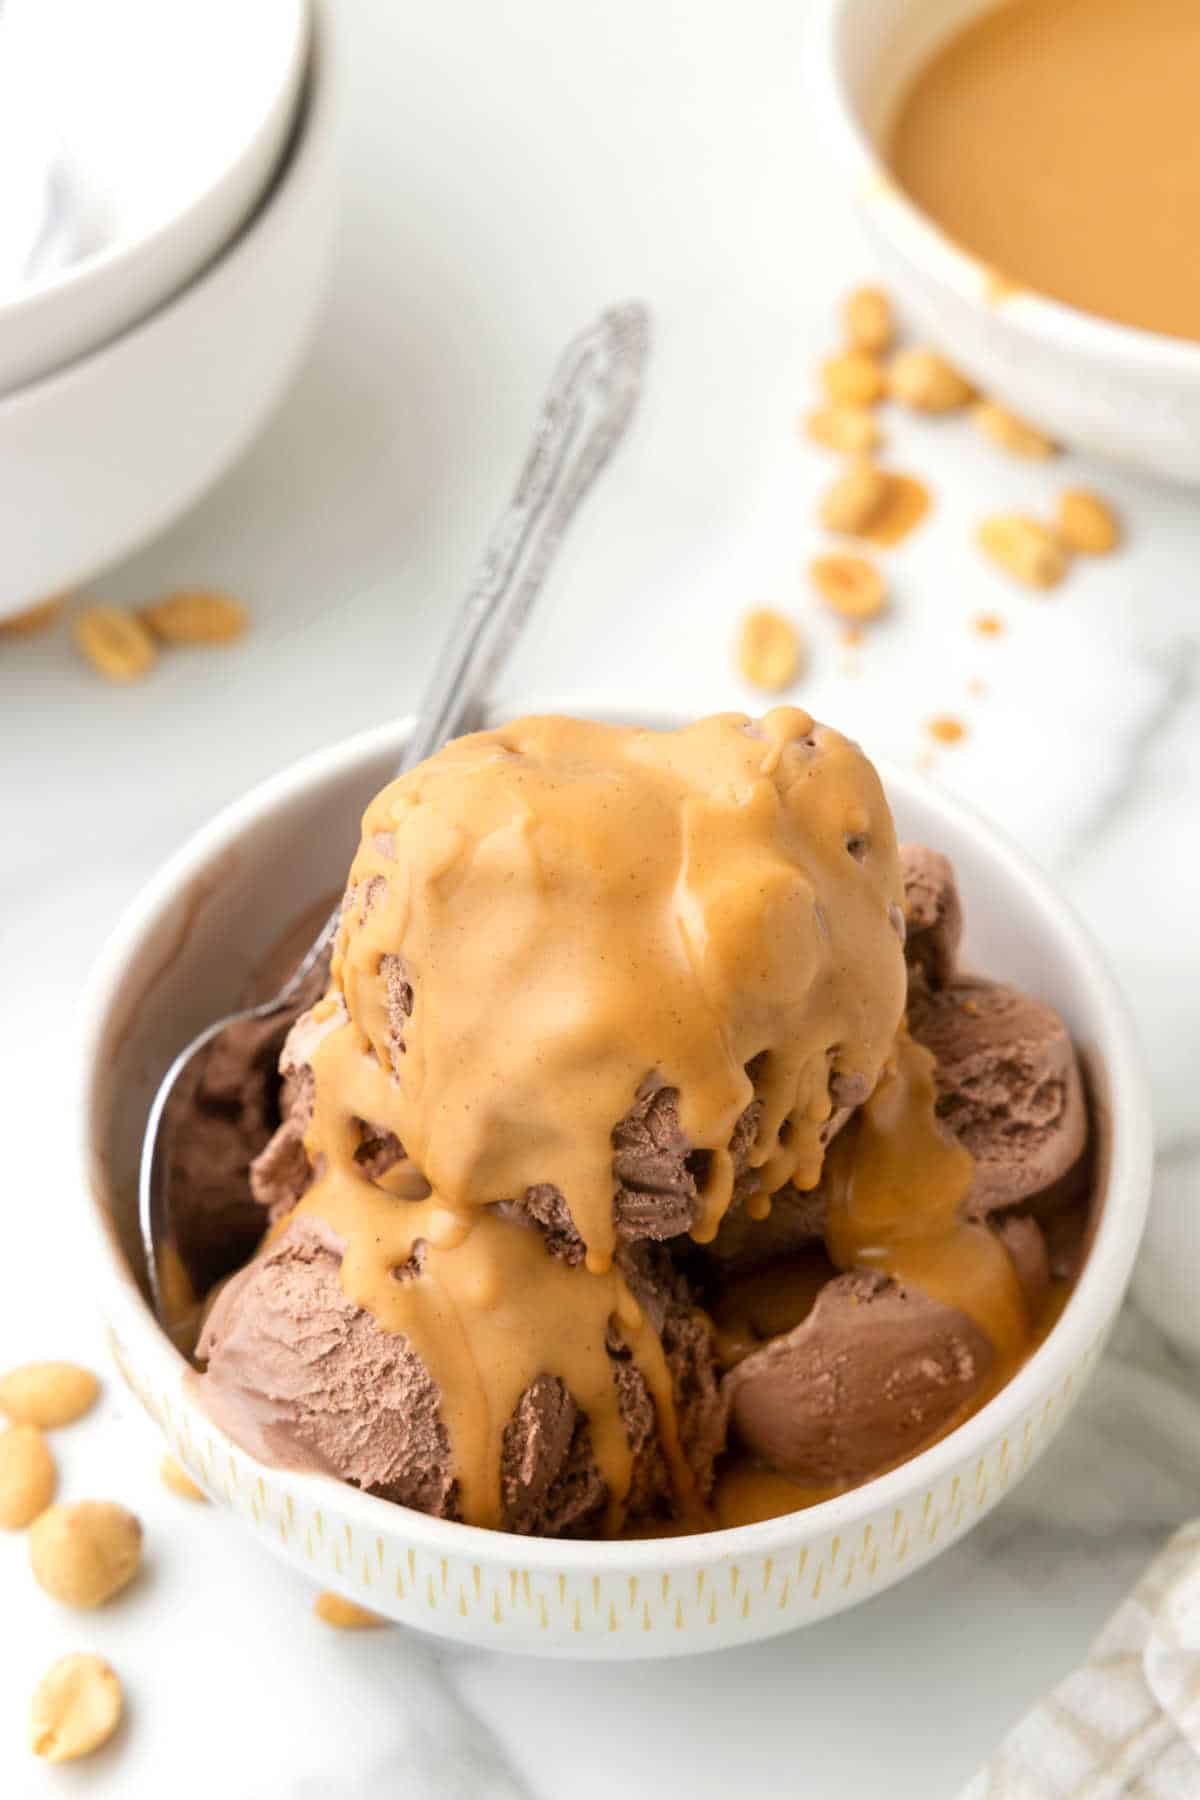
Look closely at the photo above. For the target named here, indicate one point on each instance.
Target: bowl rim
(311, 125)
(127, 256)
(1085, 1318)
(1064, 327)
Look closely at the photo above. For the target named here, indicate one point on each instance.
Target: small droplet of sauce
(945, 729)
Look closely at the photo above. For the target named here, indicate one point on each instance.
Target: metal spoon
(585, 412)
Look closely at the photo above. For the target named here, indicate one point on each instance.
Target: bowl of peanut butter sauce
(183, 953)
(1028, 173)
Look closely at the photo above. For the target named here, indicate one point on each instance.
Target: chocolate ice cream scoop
(552, 925)
(305, 1378)
(1008, 1087)
(1026, 1244)
(873, 1373)
(932, 913)
(220, 1118)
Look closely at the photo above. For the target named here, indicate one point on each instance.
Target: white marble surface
(508, 171)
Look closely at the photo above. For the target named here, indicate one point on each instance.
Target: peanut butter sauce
(538, 919)
(897, 1182)
(1056, 140)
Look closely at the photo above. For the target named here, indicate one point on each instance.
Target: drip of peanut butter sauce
(578, 907)
(896, 1183)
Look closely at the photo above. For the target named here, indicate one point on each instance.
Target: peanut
(83, 1554)
(115, 642)
(1025, 549)
(1011, 433)
(28, 1476)
(768, 650)
(195, 616)
(33, 618)
(334, 1610)
(945, 729)
(926, 382)
(853, 378)
(856, 498)
(179, 1481)
(47, 1394)
(853, 429)
(1087, 523)
(76, 1708)
(849, 585)
(867, 316)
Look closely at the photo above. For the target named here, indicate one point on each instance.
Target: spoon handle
(583, 416)
(587, 408)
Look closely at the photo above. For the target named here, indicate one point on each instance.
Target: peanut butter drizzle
(578, 907)
(897, 1183)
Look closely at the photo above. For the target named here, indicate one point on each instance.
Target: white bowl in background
(169, 121)
(1124, 393)
(96, 459)
(182, 954)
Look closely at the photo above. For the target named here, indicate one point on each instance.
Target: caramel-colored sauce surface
(897, 1182)
(1057, 141)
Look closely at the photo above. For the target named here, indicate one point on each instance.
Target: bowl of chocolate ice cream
(692, 1194)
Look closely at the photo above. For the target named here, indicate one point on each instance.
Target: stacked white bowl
(166, 220)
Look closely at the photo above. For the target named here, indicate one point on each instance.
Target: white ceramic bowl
(96, 459)
(1128, 394)
(181, 955)
(211, 85)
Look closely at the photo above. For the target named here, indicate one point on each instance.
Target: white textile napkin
(1128, 1722)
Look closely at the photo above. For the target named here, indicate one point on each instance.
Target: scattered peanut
(33, 618)
(76, 1708)
(1025, 549)
(47, 1394)
(82, 1554)
(331, 1608)
(1087, 523)
(850, 585)
(945, 729)
(856, 498)
(27, 1476)
(927, 382)
(179, 1481)
(1011, 433)
(115, 642)
(867, 316)
(854, 429)
(853, 378)
(768, 650)
(196, 616)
